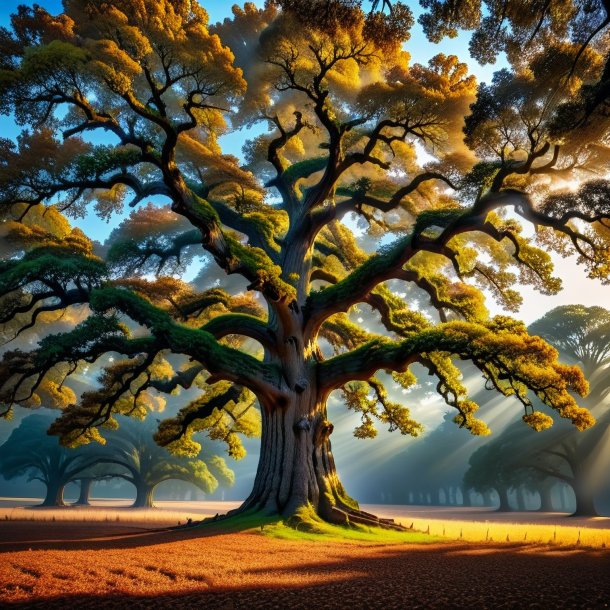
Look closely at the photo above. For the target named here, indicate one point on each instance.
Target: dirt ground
(98, 565)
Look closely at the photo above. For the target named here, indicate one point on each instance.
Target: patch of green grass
(307, 526)
(241, 522)
(353, 533)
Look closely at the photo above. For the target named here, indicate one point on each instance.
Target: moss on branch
(197, 343)
(513, 361)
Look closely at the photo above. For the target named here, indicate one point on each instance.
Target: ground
(116, 564)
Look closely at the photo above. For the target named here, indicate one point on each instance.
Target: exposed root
(306, 519)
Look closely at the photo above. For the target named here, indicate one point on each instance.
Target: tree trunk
(466, 497)
(546, 497)
(436, 497)
(487, 501)
(564, 498)
(520, 497)
(85, 491)
(55, 494)
(296, 469)
(144, 496)
(585, 505)
(504, 504)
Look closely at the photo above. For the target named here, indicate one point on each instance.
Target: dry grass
(119, 511)
(96, 565)
(533, 533)
(473, 526)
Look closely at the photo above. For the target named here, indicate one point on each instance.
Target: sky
(577, 287)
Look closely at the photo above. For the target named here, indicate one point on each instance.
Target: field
(101, 558)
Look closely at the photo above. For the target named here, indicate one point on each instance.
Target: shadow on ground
(252, 571)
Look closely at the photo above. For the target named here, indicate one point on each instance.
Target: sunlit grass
(423, 529)
(483, 531)
(101, 515)
(307, 526)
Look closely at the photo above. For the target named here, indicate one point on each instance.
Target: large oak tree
(123, 102)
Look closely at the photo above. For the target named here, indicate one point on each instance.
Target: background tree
(344, 108)
(31, 452)
(145, 464)
(582, 334)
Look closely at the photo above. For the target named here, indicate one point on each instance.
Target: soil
(107, 565)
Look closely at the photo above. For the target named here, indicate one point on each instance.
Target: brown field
(110, 564)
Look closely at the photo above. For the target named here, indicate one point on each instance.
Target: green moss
(308, 527)
(205, 211)
(259, 265)
(438, 218)
(304, 168)
(104, 159)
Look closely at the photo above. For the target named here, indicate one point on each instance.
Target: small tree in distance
(344, 108)
(30, 451)
(130, 453)
(145, 464)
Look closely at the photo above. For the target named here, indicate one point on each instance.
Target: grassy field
(533, 533)
(97, 565)
(461, 525)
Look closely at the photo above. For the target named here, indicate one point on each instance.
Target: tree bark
(585, 504)
(504, 504)
(85, 491)
(55, 494)
(546, 497)
(144, 496)
(297, 470)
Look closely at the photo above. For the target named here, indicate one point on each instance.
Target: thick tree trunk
(297, 470)
(504, 503)
(546, 497)
(85, 491)
(144, 496)
(585, 504)
(55, 494)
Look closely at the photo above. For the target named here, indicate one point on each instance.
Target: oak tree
(30, 452)
(124, 104)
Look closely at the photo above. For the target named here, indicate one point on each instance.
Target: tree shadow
(450, 575)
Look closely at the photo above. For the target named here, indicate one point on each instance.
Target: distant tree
(513, 459)
(583, 335)
(129, 453)
(30, 451)
(85, 484)
(145, 465)
(486, 474)
(344, 108)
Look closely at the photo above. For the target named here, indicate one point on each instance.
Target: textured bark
(55, 493)
(85, 491)
(144, 496)
(297, 469)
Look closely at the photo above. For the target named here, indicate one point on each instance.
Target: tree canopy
(123, 106)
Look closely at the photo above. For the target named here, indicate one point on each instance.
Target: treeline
(129, 454)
